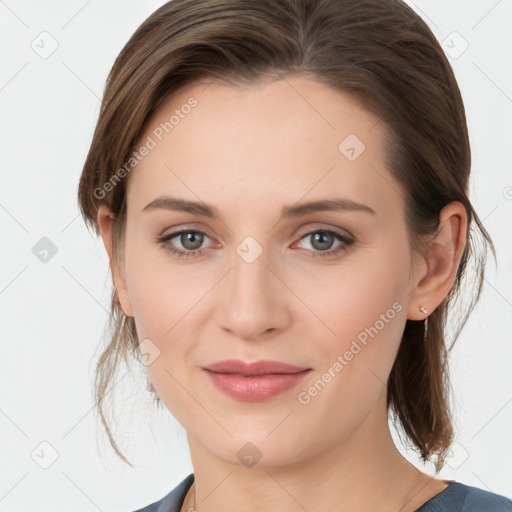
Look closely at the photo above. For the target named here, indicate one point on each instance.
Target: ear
(105, 223)
(438, 269)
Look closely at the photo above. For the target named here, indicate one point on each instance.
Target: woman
(281, 187)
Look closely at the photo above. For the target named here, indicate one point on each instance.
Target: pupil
(187, 238)
(320, 237)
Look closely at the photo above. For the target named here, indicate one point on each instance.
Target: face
(262, 279)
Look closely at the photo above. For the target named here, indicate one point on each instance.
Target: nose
(256, 302)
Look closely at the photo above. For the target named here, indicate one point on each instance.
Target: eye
(189, 239)
(323, 239)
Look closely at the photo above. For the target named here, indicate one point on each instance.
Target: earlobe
(442, 262)
(105, 224)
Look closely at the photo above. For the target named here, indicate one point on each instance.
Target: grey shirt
(457, 497)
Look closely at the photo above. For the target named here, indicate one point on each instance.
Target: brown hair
(378, 51)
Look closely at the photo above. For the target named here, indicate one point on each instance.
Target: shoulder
(459, 497)
(173, 501)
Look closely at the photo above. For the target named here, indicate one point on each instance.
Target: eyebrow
(297, 210)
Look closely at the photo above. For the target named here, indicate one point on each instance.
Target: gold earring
(423, 310)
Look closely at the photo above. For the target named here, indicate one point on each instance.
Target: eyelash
(347, 242)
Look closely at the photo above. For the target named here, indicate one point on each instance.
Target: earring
(423, 310)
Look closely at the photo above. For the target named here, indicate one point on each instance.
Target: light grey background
(53, 312)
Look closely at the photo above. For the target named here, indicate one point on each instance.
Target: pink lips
(254, 381)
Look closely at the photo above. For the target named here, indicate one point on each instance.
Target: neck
(364, 471)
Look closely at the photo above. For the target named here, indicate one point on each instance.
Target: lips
(239, 367)
(254, 382)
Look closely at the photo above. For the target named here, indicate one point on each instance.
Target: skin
(250, 152)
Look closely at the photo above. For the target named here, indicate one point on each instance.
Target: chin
(259, 450)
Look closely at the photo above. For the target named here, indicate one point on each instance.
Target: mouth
(254, 382)
(258, 368)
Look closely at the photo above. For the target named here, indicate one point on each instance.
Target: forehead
(292, 137)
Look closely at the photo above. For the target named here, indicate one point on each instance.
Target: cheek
(164, 302)
(356, 359)
(364, 350)
(159, 295)
(361, 317)
(162, 311)
(348, 300)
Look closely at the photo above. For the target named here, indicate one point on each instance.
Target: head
(252, 109)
